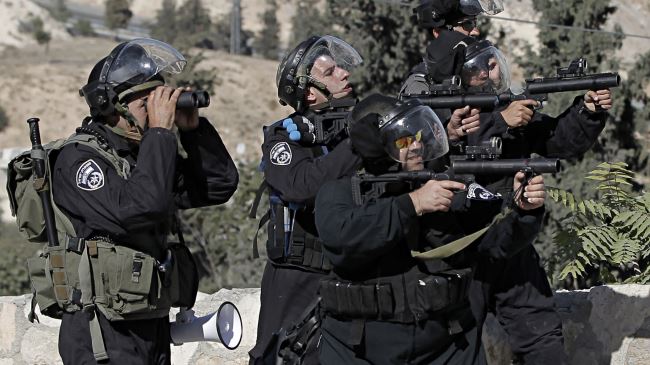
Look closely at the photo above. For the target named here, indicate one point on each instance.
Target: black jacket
(137, 211)
(295, 173)
(379, 236)
(569, 135)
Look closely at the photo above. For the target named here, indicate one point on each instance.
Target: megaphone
(223, 326)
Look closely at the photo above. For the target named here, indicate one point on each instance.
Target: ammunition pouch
(407, 298)
(288, 243)
(123, 283)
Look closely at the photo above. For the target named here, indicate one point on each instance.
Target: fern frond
(625, 250)
(575, 268)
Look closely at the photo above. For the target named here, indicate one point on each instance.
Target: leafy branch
(609, 231)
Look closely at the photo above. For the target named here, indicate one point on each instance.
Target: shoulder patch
(280, 154)
(90, 176)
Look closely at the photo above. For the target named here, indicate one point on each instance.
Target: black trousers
(427, 342)
(285, 294)
(518, 292)
(127, 342)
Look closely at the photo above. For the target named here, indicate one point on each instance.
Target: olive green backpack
(53, 289)
(122, 283)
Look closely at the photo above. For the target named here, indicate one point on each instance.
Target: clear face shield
(141, 59)
(476, 7)
(414, 136)
(328, 62)
(486, 71)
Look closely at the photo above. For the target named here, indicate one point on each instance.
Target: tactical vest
(96, 273)
(288, 244)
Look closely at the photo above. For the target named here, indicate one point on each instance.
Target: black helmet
(382, 129)
(485, 68)
(437, 13)
(293, 76)
(130, 67)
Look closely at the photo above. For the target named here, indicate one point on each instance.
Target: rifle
(41, 181)
(449, 94)
(329, 124)
(477, 160)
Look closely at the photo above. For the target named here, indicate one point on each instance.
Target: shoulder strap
(458, 245)
(120, 164)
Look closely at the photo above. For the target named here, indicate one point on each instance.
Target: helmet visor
(486, 71)
(416, 135)
(141, 59)
(476, 7)
(331, 51)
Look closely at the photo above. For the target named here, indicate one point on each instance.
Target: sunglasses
(404, 142)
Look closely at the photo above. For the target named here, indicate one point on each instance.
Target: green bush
(15, 251)
(609, 233)
(221, 237)
(83, 28)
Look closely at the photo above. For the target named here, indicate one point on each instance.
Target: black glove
(300, 129)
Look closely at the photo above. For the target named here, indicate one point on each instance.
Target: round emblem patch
(281, 154)
(89, 176)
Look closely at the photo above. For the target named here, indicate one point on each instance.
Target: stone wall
(604, 325)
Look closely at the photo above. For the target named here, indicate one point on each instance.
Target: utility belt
(406, 298)
(122, 283)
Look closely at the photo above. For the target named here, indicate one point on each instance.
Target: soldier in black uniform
(517, 289)
(133, 116)
(383, 305)
(300, 153)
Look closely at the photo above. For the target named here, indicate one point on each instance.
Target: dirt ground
(45, 85)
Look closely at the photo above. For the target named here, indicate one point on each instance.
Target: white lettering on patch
(89, 176)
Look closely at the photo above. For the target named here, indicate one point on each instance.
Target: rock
(603, 325)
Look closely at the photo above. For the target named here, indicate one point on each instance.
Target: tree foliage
(386, 36)
(15, 251)
(610, 232)
(618, 142)
(193, 25)
(164, 28)
(307, 21)
(171, 26)
(228, 234)
(59, 11)
(267, 43)
(34, 25)
(82, 27)
(117, 14)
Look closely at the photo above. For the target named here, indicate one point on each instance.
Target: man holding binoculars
(120, 187)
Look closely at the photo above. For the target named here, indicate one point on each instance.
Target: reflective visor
(141, 59)
(331, 49)
(415, 134)
(486, 70)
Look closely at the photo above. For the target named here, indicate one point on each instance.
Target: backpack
(97, 274)
(52, 278)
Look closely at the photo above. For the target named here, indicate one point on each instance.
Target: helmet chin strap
(324, 90)
(124, 112)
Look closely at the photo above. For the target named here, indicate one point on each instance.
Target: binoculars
(193, 99)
